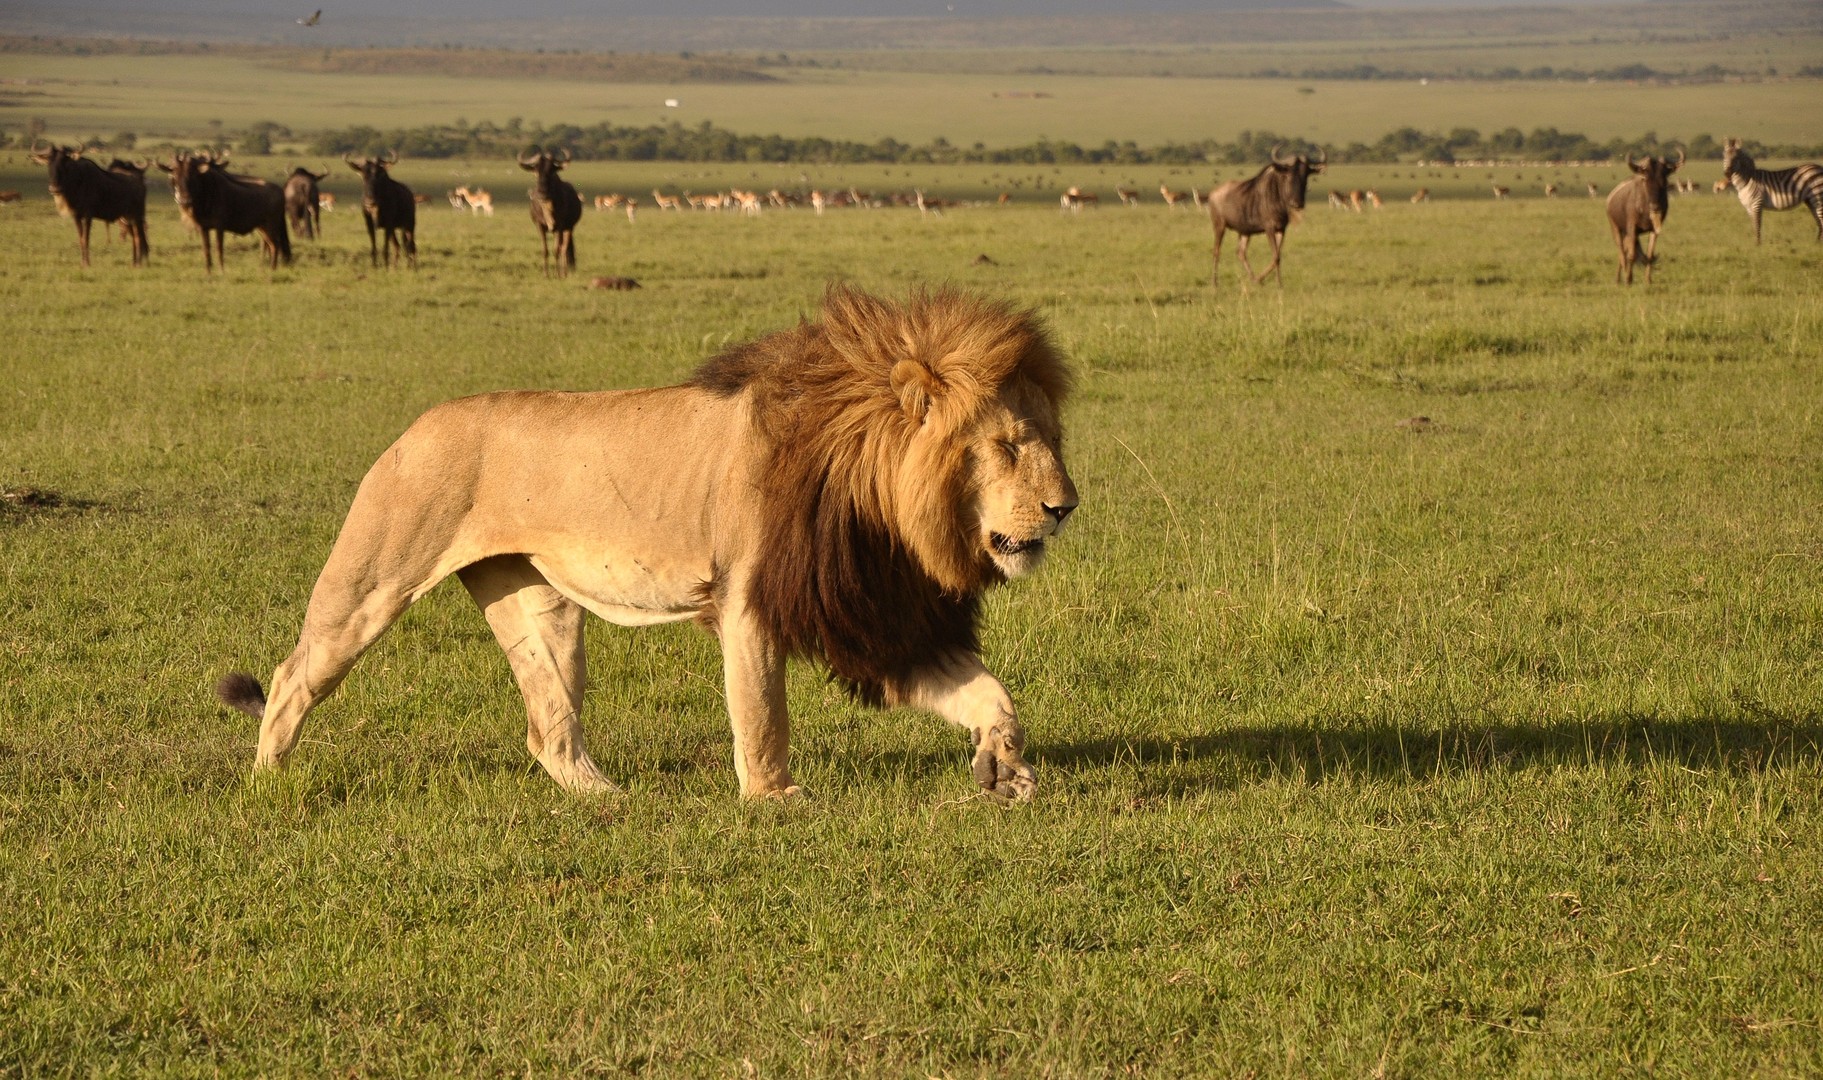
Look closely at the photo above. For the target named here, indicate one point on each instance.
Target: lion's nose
(1059, 512)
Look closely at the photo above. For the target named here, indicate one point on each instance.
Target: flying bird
(315, 17)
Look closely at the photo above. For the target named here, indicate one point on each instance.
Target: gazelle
(1127, 195)
(478, 200)
(1421, 195)
(1501, 192)
(1373, 198)
(1172, 198)
(666, 202)
(1337, 202)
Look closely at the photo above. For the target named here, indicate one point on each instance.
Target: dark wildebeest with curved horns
(556, 208)
(387, 206)
(301, 201)
(1264, 204)
(220, 202)
(84, 191)
(1637, 207)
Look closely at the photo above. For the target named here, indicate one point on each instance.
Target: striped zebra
(1781, 190)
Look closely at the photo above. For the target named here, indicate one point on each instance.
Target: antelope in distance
(1128, 196)
(1423, 194)
(667, 202)
(219, 202)
(1264, 204)
(1550, 191)
(556, 208)
(304, 203)
(1172, 198)
(389, 208)
(1373, 198)
(1336, 201)
(84, 191)
(1501, 192)
(1594, 192)
(1759, 189)
(1637, 207)
(478, 200)
(325, 201)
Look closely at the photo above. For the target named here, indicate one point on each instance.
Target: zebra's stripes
(1760, 189)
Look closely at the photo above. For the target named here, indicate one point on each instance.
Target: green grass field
(176, 97)
(1490, 744)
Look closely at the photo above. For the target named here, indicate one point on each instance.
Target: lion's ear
(916, 386)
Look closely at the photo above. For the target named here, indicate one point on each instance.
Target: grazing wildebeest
(556, 208)
(302, 201)
(389, 207)
(1781, 190)
(1264, 204)
(1637, 206)
(84, 191)
(220, 202)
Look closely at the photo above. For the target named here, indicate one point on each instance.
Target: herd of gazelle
(214, 201)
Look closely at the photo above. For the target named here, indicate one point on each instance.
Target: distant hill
(744, 26)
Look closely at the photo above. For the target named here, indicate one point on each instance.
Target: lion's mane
(867, 562)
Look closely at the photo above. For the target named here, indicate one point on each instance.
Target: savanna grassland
(1428, 685)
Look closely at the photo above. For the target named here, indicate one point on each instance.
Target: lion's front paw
(1002, 774)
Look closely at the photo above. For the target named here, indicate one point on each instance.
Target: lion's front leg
(964, 692)
(754, 671)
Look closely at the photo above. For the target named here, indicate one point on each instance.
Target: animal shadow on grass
(1381, 751)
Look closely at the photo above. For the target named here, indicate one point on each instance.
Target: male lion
(845, 490)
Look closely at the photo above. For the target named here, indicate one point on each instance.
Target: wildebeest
(1637, 206)
(84, 191)
(302, 201)
(387, 206)
(1263, 204)
(220, 202)
(556, 208)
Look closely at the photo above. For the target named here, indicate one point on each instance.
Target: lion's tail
(241, 691)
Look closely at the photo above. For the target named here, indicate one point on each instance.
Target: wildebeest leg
(221, 253)
(1215, 274)
(1277, 239)
(545, 238)
(82, 237)
(373, 246)
(753, 672)
(1651, 254)
(964, 692)
(541, 632)
(1240, 249)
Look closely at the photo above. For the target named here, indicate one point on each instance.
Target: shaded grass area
(1485, 745)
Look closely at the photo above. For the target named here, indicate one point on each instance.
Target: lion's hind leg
(540, 630)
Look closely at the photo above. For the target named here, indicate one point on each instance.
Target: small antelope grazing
(1421, 195)
(1373, 198)
(1128, 196)
(1354, 200)
(1337, 202)
(478, 199)
(325, 201)
(666, 202)
(1550, 191)
(1501, 192)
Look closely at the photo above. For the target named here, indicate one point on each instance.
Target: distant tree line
(707, 143)
(1624, 73)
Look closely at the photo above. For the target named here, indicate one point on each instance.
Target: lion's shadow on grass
(1381, 751)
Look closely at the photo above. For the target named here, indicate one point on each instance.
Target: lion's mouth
(1006, 545)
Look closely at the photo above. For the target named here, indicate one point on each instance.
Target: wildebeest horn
(528, 159)
(565, 151)
(389, 156)
(1680, 157)
(1322, 157)
(220, 157)
(1276, 147)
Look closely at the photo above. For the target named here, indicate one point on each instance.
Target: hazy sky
(495, 9)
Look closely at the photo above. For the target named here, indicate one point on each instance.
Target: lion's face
(1020, 492)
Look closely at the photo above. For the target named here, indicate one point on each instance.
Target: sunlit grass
(1487, 743)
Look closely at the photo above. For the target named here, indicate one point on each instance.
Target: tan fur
(924, 432)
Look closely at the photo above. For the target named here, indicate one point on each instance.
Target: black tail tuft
(243, 692)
